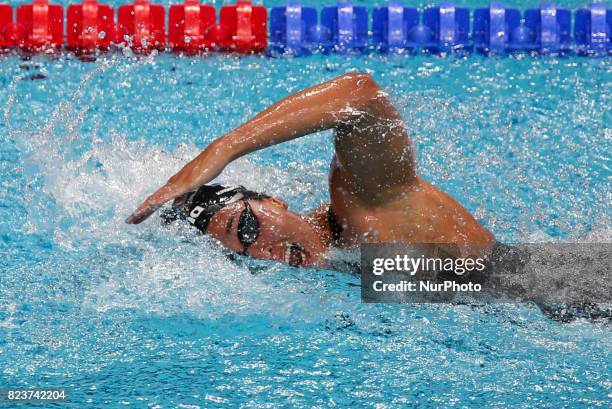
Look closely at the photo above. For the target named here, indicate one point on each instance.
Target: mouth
(296, 256)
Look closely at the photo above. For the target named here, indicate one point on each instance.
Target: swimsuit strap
(335, 227)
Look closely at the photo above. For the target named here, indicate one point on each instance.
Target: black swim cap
(201, 205)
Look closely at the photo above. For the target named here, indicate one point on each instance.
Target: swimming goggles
(202, 205)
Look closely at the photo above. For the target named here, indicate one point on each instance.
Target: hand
(204, 168)
(168, 192)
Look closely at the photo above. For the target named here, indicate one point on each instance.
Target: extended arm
(370, 138)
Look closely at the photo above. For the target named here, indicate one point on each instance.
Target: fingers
(141, 214)
(146, 209)
(184, 181)
(153, 202)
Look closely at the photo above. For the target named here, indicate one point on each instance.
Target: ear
(279, 202)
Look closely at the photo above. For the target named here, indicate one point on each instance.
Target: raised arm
(370, 138)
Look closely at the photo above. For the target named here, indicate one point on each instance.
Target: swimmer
(376, 193)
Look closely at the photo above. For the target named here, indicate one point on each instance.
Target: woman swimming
(376, 193)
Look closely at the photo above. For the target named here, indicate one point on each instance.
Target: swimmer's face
(283, 235)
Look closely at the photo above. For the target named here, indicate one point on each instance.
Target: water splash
(88, 185)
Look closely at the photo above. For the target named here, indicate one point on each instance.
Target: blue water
(143, 316)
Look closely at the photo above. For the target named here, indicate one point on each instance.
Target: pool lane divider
(192, 28)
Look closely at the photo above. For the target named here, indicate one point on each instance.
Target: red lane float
(243, 28)
(190, 26)
(91, 26)
(145, 23)
(40, 26)
(6, 24)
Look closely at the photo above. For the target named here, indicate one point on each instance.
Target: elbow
(361, 81)
(362, 87)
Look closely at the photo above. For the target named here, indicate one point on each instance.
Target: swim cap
(201, 205)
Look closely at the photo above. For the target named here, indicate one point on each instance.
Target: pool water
(147, 316)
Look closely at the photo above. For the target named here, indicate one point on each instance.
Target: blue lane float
(397, 28)
(294, 29)
(450, 26)
(348, 25)
(549, 29)
(391, 26)
(493, 28)
(593, 30)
